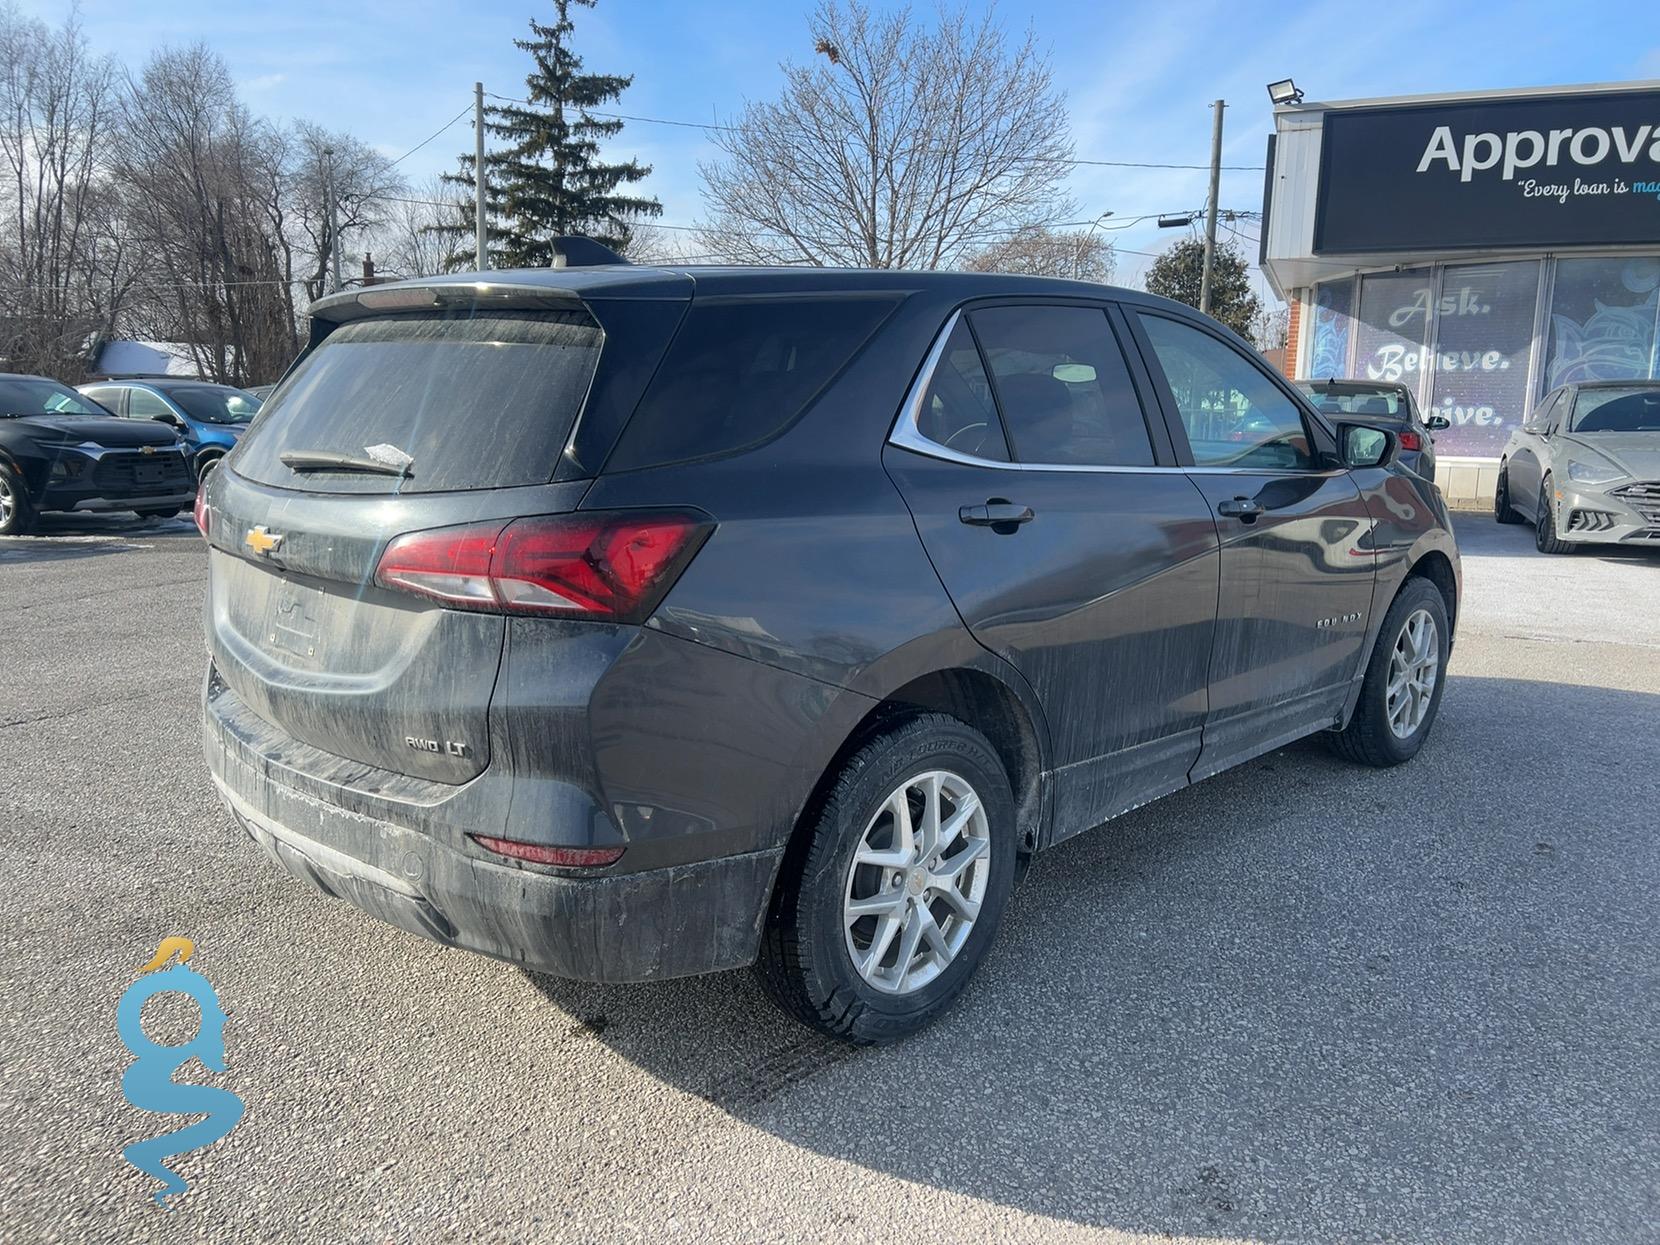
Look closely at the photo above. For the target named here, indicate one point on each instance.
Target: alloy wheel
(8, 502)
(1414, 666)
(916, 882)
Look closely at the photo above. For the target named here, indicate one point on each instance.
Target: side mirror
(168, 418)
(1435, 423)
(1365, 447)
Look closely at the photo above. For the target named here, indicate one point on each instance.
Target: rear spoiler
(418, 295)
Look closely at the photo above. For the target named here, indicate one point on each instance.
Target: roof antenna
(575, 251)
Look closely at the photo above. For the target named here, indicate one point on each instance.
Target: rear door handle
(995, 514)
(1245, 509)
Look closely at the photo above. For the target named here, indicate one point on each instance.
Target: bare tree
(899, 147)
(649, 243)
(64, 276)
(1271, 328)
(364, 185)
(417, 237)
(1040, 252)
(204, 183)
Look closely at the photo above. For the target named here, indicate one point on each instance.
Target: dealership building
(1481, 248)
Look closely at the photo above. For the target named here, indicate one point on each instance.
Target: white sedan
(1585, 467)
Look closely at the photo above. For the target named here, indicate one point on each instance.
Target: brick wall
(1294, 323)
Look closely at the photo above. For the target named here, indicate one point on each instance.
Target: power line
(430, 137)
(711, 125)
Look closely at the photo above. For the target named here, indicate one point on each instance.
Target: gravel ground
(1298, 1002)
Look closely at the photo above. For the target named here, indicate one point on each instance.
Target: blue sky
(1139, 77)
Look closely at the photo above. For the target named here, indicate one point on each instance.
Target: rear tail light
(1411, 441)
(543, 854)
(613, 566)
(204, 516)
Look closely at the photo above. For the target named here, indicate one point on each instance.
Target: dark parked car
(209, 417)
(628, 622)
(1382, 404)
(62, 451)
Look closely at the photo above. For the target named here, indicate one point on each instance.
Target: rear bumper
(660, 923)
(617, 744)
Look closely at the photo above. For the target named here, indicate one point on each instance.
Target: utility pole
(1210, 216)
(481, 228)
(334, 216)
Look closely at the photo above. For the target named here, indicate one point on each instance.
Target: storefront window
(1393, 329)
(1333, 316)
(1603, 317)
(1483, 345)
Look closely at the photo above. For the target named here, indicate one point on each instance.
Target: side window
(107, 396)
(740, 371)
(1063, 387)
(1558, 413)
(1234, 414)
(957, 410)
(1542, 413)
(142, 404)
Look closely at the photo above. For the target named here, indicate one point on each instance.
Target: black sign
(1565, 170)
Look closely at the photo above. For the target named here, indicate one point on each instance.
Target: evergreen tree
(548, 180)
(1177, 274)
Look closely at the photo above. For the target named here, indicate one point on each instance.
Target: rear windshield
(473, 402)
(215, 404)
(740, 371)
(1636, 409)
(1387, 402)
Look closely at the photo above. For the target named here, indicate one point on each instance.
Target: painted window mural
(1333, 314)
(1604, 321)
(1462, 336)
(1483, 345)
(1392, 332)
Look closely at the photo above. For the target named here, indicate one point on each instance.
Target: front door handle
(1245, 509)
(996, 513)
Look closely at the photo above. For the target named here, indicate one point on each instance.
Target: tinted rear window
(740, 371)
(476, 402)
(1383, 403)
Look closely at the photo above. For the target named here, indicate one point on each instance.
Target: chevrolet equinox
(630, 622)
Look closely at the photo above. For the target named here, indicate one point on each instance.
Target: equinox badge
(262, 540)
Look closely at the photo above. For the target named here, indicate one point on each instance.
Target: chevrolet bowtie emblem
(146, 449)
(262, 540)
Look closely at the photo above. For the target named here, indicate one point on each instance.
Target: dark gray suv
(627, 622)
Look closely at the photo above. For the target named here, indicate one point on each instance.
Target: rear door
(479, 405)
(1297, 560)
(1070, 543)
(112, 398)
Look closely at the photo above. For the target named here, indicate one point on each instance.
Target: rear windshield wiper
(324, 460)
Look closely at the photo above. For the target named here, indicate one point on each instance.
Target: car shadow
(1300, 998)
(65, 537)
(1479, 535)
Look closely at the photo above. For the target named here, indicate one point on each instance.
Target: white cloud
(264, 82)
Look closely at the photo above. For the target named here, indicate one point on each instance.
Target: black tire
(158, 514)
(805, 963)
(1544, 524)
(1368, 739)
(1503, 512)
(206, 463)
(17, 514)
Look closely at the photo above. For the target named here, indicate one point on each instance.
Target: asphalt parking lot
(1298, 1002)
